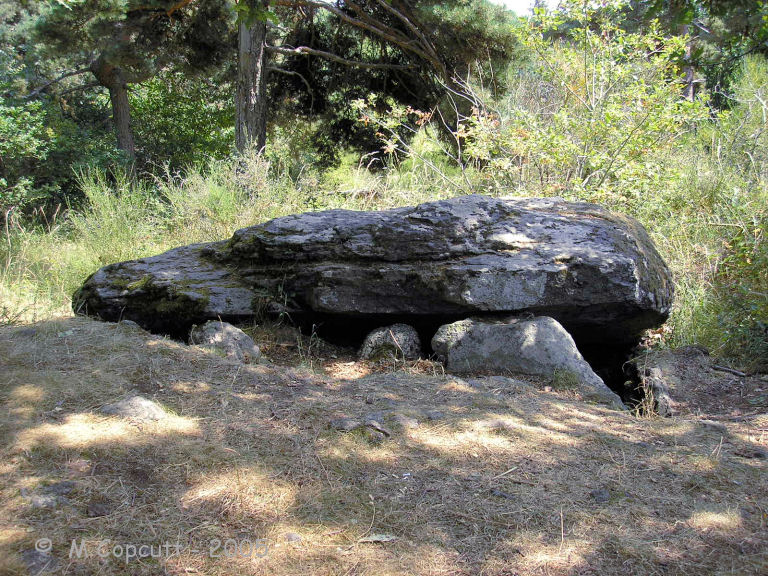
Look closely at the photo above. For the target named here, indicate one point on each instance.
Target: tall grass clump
(122, 219)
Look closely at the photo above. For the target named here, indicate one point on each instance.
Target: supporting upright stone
(536, 346)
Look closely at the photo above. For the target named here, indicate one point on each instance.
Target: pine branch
(69, 74)
(81, 87)
(301, 77)
(305, 50)
(375, 27)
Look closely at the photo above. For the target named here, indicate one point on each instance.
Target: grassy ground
(501, 476)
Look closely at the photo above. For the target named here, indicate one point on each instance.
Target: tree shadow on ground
(477, 476)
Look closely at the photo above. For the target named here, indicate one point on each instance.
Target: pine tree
(123, 42)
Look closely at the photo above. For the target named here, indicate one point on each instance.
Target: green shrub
(180, 121)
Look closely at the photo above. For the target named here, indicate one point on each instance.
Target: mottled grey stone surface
(577, 262)
(226, 339)
(399, 340)
(537, 346)
(136, 407)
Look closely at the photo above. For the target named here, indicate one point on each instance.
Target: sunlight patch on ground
(242, 491)
(457, 386)
(348, 370)
(25, 400)
(705, 520)
(10, 535)
(555, 556)
(187, 387)
(85, 429)
(27, 393)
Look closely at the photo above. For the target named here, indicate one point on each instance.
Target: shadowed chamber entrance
(606, 356)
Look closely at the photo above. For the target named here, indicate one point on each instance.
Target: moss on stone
(139, 284)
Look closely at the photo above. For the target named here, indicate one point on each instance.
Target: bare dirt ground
(457, 476)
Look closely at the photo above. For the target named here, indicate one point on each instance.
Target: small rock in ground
(39, 562)
(398, 340)
(752, 452)
(375, 425)
(135, 407)
(59, 488)
(292, 537)
(407, 422)
(78, 467)
(37, 500)
(379, 415)
(666, 376)
(345, 424)
(434, 415)
(227, 339)
(501, 494)
(600, 495)
(98, 508)
(719, 426)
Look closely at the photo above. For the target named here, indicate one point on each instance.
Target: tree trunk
(121, 116)
(251, 101)
(689, 88)
(113, 80)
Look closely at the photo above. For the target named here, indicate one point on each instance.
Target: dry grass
(496, 479)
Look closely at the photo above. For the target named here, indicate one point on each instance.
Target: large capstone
(596, 272)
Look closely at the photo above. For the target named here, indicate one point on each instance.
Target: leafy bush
(180, 121)
(43, 143)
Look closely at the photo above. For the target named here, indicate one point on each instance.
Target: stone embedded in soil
(39, 562)
(600, 495)
(398, 340)
(292, 537)
(377, 426)
(345, 424)
(136, 407)
(59, 488)
(98, 508)
(42, 500)
(226, 339)
(598, 273)
(406, 422)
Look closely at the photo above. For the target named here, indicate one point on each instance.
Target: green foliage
(721, 33)
(737, 150)
(181, 120)
(23, 142)
(41, 144)
(588, 116)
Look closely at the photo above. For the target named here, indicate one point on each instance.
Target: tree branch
(69, 74)
(81, 87)
(301, 77)
(177, 6)
(291, 51)
(411, 26)
(387, 33)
